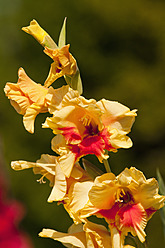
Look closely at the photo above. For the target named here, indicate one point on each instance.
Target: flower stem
(106, 163)
(107, 166)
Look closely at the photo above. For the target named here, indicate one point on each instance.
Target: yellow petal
(132, 174)
(117, 241)
(75, 240)
(67, 158)
(53, 75)
(35, 92)
(29, 117)
(119, 139)
(17, 98)
(117, 115)
(49, 167)
(27, 97)
(64, 64)
(102, 194)
(129, 246)
(40, 167)
(97, 233)
(148, 195)
(67, 162)
(21, 165)
(54, 98)
(59, 189)
(77, 198)
(40, 34)
(77, 172)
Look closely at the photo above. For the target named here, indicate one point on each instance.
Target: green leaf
(162, 192)
(62, 36)
(91, 169)
(161, 182)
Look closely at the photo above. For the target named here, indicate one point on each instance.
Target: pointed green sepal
(62, 36)
(68, 80)
(162, 192)
(91, 169)
(49, 42)
(76, 82)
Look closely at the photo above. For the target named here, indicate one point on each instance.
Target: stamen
(41, 180)
(124, 196)
(119, 194)
(86, 120)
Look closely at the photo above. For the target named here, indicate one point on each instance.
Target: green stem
(106, 163)
(107, 166)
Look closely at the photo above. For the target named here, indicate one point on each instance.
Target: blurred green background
(120, 49)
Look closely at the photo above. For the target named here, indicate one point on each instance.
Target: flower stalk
(106, 165)
(83, 127)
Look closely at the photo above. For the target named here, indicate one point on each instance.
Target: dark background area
(120, 50)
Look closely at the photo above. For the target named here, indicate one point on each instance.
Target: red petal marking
(90, 145)
(70, 134)
(94, 142)
(58, 70)
(110, 214)
(106, 137)
(130, 215)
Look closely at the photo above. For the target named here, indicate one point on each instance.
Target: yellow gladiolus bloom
(64, 64)
(89, 235)
(49, 167)
(28, 98)
(88, 127)
(126, 202)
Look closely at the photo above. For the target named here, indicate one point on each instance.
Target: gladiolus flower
(126, 202)
(82, 236)
(89, 127)
(28, 98)
(64, 64)
(48, 166)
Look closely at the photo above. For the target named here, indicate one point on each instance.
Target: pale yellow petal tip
(21, 71)
(46, 233)
(15, 166)
(29, 125)
(36, 31)
(42, 233)
(28, 28)
(39, 34)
